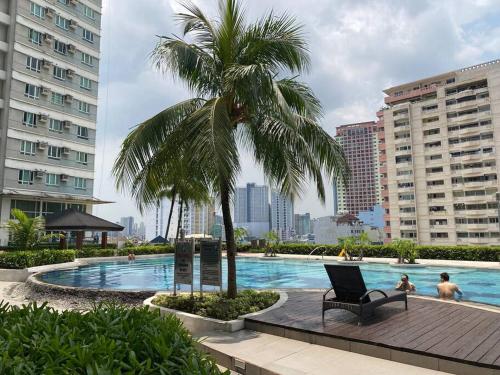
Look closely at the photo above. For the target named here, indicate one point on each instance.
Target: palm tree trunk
(230, 243)
(170, 215)
(179, 221)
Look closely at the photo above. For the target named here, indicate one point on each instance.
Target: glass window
(52, 179)
(32, 91)
(80, 183)
(88, 35)
(60, 47)
(88, 12)
(65, 2)
(87, 59)
(83, 107)
(62, 22)
(55, 125)
(25, 177)
(59, 73)
(35, 37)
(27, 148)
(37, 10)
(29, 119)
(33, 64)
(85, 83)
(81, 157)
(82, 132)
(57, 99)
(54, 152)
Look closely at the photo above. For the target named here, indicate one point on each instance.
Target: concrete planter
(197, 324)
(14, 275)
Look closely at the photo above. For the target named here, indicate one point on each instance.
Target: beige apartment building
(442, 154)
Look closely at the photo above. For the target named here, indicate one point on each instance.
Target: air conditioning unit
(68, 99)
(42, 145)
(39, 174)
(48, 38)
(67, 124)
(64, 178)
(49, 12)
(42, 117)
(45, 91)
(71, 48)
(70, 73)
(46, 64)
(66, 150)
(73, 24)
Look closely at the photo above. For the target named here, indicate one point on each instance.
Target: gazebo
(75, 221)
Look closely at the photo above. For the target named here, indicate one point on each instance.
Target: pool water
(479, 285)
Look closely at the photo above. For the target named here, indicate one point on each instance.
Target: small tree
(347, 244)
(363, 240)
(27, 232)
(272, 238)
(240, 234)
(406, 249)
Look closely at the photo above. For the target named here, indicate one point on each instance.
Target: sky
(358, 48)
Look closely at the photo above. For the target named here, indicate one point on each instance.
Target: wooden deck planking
(449, 331)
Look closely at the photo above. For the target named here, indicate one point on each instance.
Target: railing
(317, 248)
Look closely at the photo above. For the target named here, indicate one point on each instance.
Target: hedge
(33, 258)
(471, 253)
(108, 339)
(148, 249)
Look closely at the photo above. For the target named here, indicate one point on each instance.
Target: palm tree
(363, 240)
(243, 77)
(24, 231)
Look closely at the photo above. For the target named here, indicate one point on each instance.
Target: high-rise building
(198, 218)
(302, 224)
(443, 146)
(360, 144)
(383, 181)
(128, 226)
(49, 65)
(251, 209)
(282, 215)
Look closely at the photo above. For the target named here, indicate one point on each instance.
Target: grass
(217, 305)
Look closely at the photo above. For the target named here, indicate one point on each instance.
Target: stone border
(197, 324)
(408, 265)
(14, 275)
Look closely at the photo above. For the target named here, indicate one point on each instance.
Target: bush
(217, 305)
(94, 252)
(33, 258)
(109, 339)
(148, 249)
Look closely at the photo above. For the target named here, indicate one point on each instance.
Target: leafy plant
(108, 339)
(219, 306)
(347, 244)
(34, 258)
(25, 232)
(406, 249)
(271, 239)
(243, 77)
(240, 234)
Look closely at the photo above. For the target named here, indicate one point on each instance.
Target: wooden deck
(439, 331)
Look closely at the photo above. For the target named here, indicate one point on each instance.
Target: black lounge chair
(351, 293)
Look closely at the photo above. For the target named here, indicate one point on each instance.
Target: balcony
(407, 227)
(438, 213)
(412, 94)
(478, 241)
(470, 131)
(474, 199)
(399, 141)
(407, 215)
(401, 116)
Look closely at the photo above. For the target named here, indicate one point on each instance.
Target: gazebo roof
(157, 239)
(75, 220)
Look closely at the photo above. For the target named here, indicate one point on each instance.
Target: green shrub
(218, 306)
(148, 249)
(33, 258)
(94, 252)
(109, 339)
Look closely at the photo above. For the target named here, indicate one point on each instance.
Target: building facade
(49, 65)
(282, 216)
(128, 226)
(442, 147)
(198, 219)
(302, 224)
(251, 210)
(363, 191)
(329, 229)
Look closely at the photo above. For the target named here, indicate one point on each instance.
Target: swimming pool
(479, 285)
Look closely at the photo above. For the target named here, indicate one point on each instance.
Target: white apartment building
(443, 153)
(282, 216)
(198, 219)
(328, 230)
(49, 65)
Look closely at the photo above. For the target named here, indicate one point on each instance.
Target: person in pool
(131, 256)
(447, 290)
(405, 285)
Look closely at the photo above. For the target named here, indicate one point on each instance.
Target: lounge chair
(351, 293)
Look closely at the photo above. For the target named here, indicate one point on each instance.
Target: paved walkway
(264, 354)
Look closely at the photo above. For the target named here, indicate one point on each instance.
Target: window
(33, 64)
(62, 22)
(57, 99)
(29, 119)
(60, 47)
(87, 59)
(82, 132)
(27, 148)
(54, 152)
(32, 91)
(55, 126)
(88, 35)
(59, 73)
(85, 83)
(37, 10)
(88, 12)
(35, 37)
(64, 2)
(81, 157)
(83, 107)
(25, 177)
(80, 183)
(52, 179)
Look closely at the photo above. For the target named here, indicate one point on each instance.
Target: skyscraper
(49, 65)
(442, 145)
(198, 218)
(128, 226)
(282, 215)
(302, 224)
(360, 144)
(251, 209)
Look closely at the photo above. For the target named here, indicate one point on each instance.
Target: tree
(246, 95)
(363, 240)
(240, 234)
(347, 244)
(406, 249)
(272, 239)
(27, 232)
